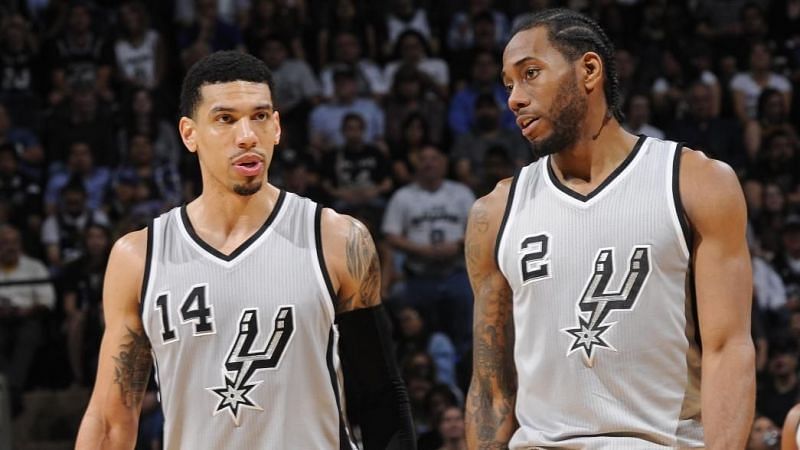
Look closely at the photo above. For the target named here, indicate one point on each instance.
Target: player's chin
(248, 188)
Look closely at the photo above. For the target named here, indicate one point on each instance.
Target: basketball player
(235, 295)
(612, 281)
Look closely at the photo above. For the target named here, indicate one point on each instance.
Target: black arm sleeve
(370, 369)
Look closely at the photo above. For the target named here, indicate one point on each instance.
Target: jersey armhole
(504, 223)
(323, 269)
(679, 214)
(148, 264)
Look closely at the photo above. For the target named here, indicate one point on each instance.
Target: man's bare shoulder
(708, 187)
(491, 207)
(126, 264)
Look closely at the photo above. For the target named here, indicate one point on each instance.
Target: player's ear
(277, 119)
(591, 70)
(187, 129)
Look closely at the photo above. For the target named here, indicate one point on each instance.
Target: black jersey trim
(506, 213)
(698, 339)
(585, 198)
(676, 195)
(321, 256)
(241, 248)
(344, 439)
(147, 265)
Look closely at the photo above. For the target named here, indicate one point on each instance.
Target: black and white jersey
(245, 346)
(607, 353)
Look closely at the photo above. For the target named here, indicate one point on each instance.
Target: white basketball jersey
(244, 345)
(606, 350)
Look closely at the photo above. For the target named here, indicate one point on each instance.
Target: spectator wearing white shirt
(638, 115)
(747, 86)
(348, 54)
(412, 49)
(26, 293)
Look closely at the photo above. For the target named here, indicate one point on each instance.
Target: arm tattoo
(363, 266)
(132, 370)
(493, 391)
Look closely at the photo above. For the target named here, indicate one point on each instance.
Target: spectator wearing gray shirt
(425, 221)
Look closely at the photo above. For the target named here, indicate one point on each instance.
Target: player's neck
(227, 213)
(596, 153)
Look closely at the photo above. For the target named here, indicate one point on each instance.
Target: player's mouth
(527, 124)
(249, 165)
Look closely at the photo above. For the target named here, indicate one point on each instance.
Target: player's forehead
(238, 95)
(529, 45)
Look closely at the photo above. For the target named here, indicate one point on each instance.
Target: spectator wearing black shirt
(787, 261)
(19, 77)
(701, 130)
(79, 56)
(82, 289)
(356, 174)
(24, 197)
(779, 390)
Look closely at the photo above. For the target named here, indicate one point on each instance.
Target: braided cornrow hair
(574, 34)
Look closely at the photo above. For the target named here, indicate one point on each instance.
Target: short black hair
(221, 67)
(356, 117)
(574, 34)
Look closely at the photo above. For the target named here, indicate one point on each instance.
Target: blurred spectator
(701, 130)
(779, 162)
(299, 177)
(484, 40)
(747, 86)
(140, 117)
(415, 336)
(406, 16)
(637, 117)
(297, 89)
(80, 166)
(19, 77)
(356, 174)
(348, 55)
(79, 56)
(343, 16)
(439, 399)
(419, 374)
(450, 425)
(768, 289)
(772, 116)
(426, 221)
(62, 231)
(415, 135)
(275, 17)
(778, 391)
(469, 150)
(485, 80)
(412, 94)
(207, 33)
(628, 73)
(82, 290)
(670, 88)
(787, 261)
(412, 49)
(497, 165)
(23, 194)
(325, 122)
(25, 143)
(139, 50)
(701, 60)
(158, 186)
(228, 11)
(464, 25)
(26, 294)
(83, 117)
(764, 435)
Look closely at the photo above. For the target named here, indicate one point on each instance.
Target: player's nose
(518, 99)
(246, 138)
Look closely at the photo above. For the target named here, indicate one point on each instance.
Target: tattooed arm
(112, 417)
(490, 404)
(376, 394)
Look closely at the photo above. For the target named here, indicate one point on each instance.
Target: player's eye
(509, 87)
(261, 116)
(225, 118)
(531, 73)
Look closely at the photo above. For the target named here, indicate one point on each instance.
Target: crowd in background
(391, 111)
